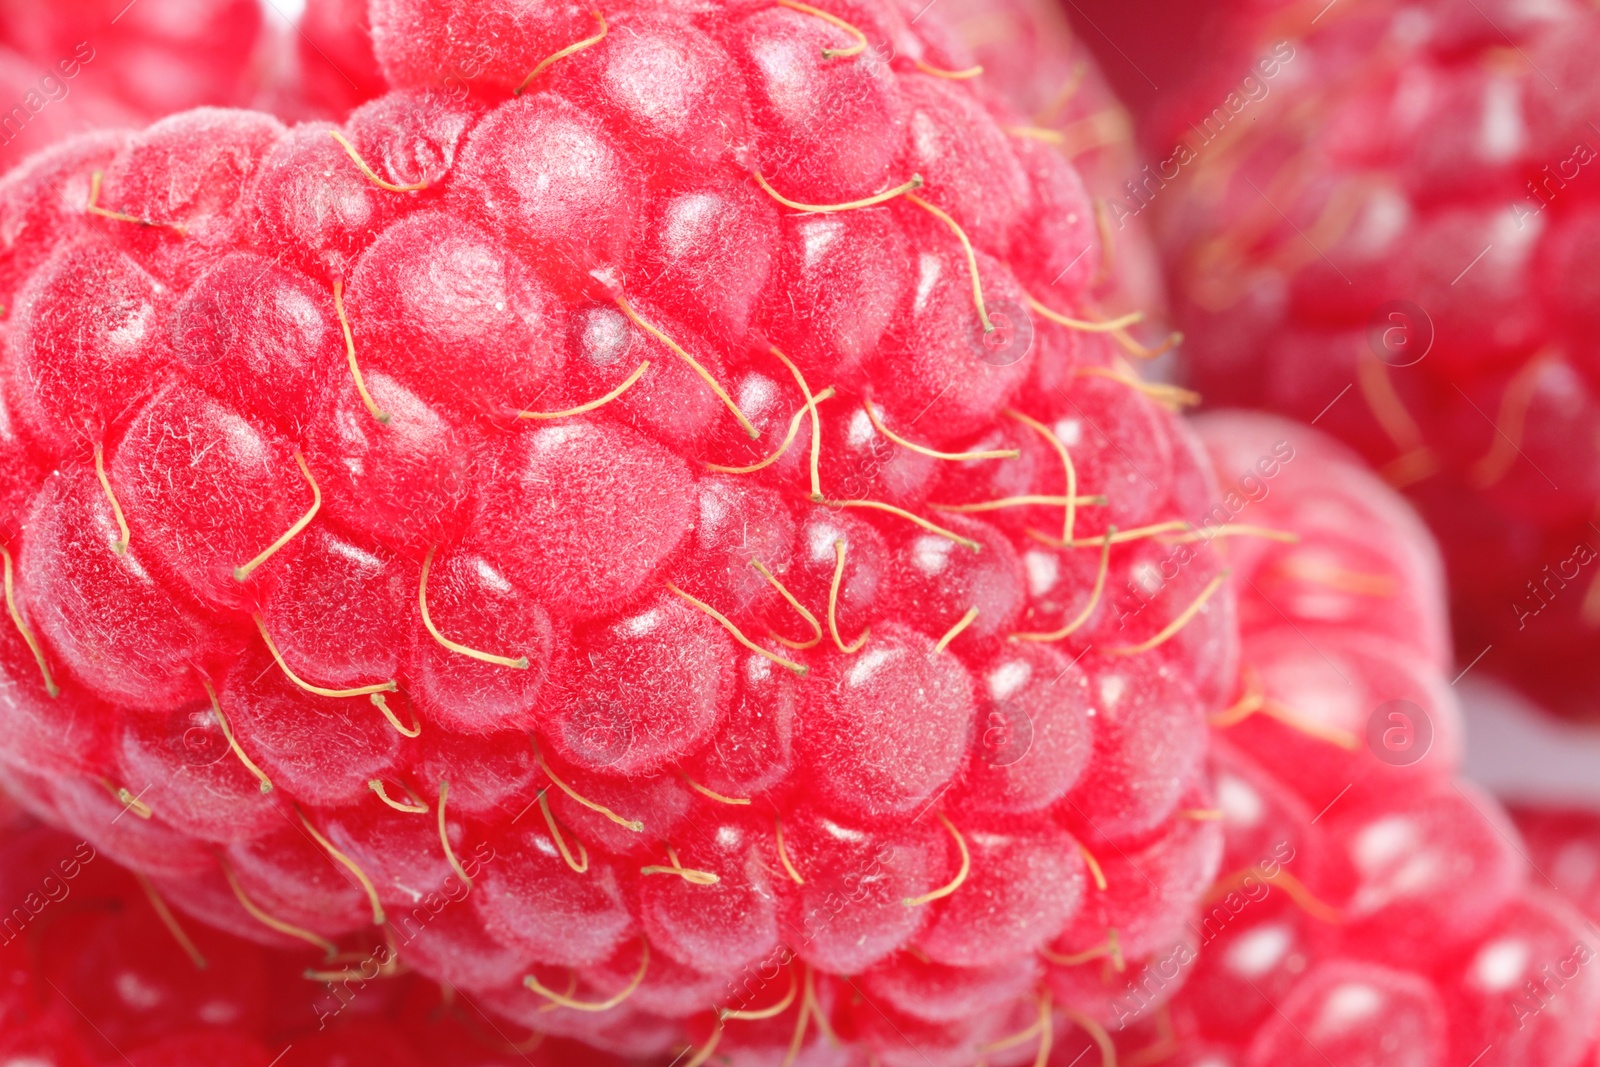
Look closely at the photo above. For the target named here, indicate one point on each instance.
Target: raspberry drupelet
(633, 531)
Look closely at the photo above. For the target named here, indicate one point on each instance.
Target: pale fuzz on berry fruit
(472, 605)
(713, 247)
(645, 690)
(662, 395)
(403, 859)
(754, 746)
(87, 360)
(1015, 883)
(669, 989)
(665, 84)
(258, 335)
(1034, 729)
(338, 614)
(42, 201)
(490, 775)
(320, 749)
(1152, 885)
(934, 992)
(830, 132)
(926, 370)
(437, 305)
(403, 482)
(549, 175)
(579, 921)
(845, 886)
(184, 178)
(582, 514)
(449, 944)
(849, 272)
(886, 729)
(289, 876)
(936, 581)
(712, 926)
(181, 764)
(427, 42)
(123, 630)
(610, 810)
(236, 487)
(87, 807)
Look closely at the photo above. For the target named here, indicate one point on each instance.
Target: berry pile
(1384, 218)
(626, 530)
(1374, 910)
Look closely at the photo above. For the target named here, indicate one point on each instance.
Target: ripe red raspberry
(1380, 219)
(631, 530)
(1376, 911)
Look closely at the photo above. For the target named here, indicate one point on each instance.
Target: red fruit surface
(1048, 62)
(1374, 222)
(82, 64)
(1373, 908)
(786, 639)
(95, 969)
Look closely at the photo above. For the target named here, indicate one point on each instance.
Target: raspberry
(1436, 204)
(632, 532)
(1387, 913)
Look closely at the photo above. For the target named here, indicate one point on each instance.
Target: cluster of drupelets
(1409, 224)
(393, 548)
(1373, 907)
